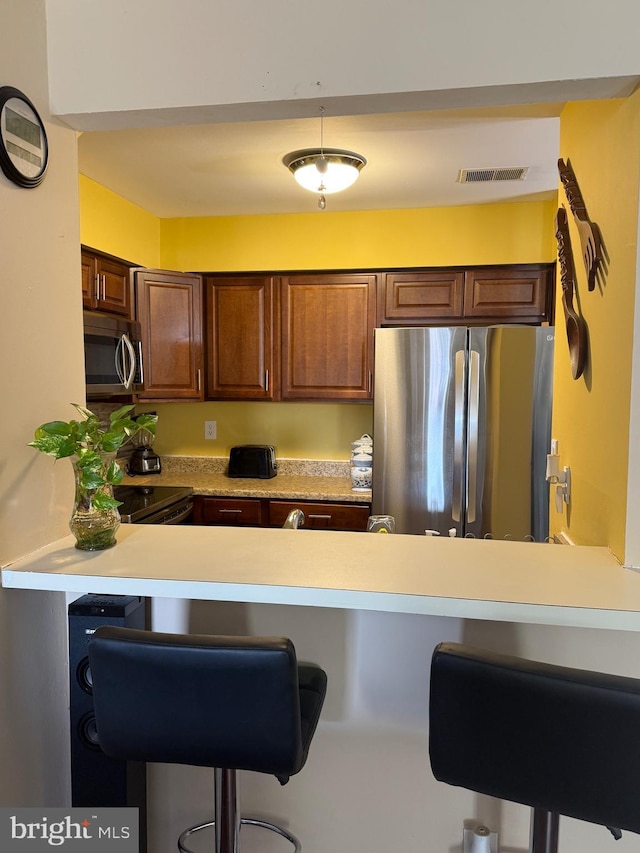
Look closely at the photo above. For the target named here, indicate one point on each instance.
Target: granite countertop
(297, 479)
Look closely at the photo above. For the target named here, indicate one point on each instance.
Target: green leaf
(84, 412)
(91, 479)
(120, 413)
(114, 474)
(147, 421)
(111, 441)
(67, 447)
(54, 428)
(59, 446)
(102, 501)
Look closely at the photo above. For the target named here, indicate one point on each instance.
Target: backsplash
(304, 434)
(297, 430)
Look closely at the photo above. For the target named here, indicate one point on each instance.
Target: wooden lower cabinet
(321, 516)
(227, 511)
(264, 512)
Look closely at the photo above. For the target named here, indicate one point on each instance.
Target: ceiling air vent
(476, 176)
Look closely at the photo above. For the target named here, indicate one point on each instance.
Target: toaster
(253, 460)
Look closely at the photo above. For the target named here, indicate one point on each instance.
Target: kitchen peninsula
(573, 586)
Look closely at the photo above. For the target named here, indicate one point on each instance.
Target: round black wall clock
(23, 142)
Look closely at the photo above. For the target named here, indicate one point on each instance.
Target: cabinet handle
(198, 379)
(370, 383)
(97, 286)
(104, 287)
(266, 381)
(230, 510)
(317, 515)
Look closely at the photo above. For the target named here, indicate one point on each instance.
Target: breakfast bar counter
(576, 586)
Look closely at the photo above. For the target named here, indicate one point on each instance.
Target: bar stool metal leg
(544, 831)
(227, 820)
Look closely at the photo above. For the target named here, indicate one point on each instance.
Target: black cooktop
(139, 502)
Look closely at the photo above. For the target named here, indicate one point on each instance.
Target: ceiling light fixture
(324, 170)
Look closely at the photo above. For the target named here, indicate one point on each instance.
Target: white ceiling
(413, 160)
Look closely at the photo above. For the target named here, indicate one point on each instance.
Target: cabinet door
(228, 511)
(106, 284)
(327, 336)
(170, 314)
(89, 281)
(321, 516)
(420, 295)
(518, 294)
(240, 338)
(115, 287)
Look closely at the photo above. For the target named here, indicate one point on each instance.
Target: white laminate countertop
(477, 579)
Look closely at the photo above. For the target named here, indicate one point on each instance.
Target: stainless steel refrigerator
(461, 429)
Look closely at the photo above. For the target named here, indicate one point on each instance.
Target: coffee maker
(143, 459)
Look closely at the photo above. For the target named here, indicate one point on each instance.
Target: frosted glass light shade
(325, 171)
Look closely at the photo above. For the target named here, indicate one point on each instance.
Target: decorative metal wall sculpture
(590, 237)
(576, 327)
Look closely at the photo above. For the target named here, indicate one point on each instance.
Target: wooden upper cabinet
(415, 295)
(327, 336)
(240, 324)
(170, 314)
(507, 294)
(518, 294)
(106, 284)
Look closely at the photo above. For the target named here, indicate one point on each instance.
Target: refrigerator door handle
(474, 421)
(458, 436)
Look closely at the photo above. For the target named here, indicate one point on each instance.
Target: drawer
(227, 511)
(321, 516)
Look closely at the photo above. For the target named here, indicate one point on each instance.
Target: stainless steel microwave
(112, 355)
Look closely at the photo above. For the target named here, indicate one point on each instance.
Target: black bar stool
(563, 741)
(231, 703)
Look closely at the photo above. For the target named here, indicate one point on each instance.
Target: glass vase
(93, 527)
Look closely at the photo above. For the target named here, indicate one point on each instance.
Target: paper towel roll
(481, 840)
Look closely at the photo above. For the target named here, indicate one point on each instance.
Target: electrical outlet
(210, 429)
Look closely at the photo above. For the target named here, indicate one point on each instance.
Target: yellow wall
(297, 430)
(483, 234)
(591, 415)
(480, 234)
(114, 225)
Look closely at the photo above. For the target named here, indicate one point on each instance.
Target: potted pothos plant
(92, 449)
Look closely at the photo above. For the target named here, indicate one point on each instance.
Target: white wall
(367, 785)
(41, 348)
(264, 60)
